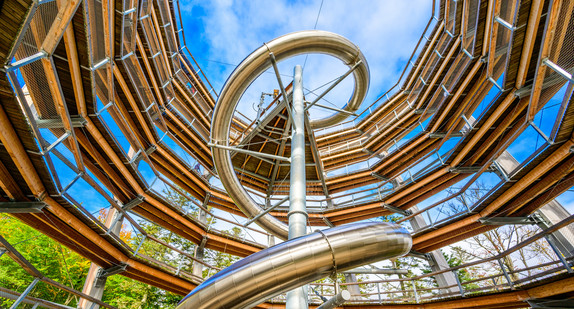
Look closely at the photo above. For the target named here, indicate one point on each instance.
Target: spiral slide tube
(289, 45)
(297, 262)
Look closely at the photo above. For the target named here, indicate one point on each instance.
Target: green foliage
(222, 259)
(49, 257)
(181, 201)
(61, 264)
(162, 253)
(458, 257)
(123, 292)
(390, 218)
(64, 265)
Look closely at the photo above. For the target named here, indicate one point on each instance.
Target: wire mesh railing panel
(37, 30)
(471, 11)
(455, 74)
(129, 21)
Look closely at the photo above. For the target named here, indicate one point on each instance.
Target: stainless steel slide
(305, 259)
(289, 45)
(297, 262)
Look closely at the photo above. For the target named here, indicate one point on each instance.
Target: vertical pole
(460, 288)
(354, 289)
(505, 274)
(297, 298)
(200, 249)
(550, 239)
(417, 300)
(94, 285)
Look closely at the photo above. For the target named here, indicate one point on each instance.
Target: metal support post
(437, 261)
(270, 240)
(505, 274)
(200, 250)
(460, 288)
(353, 288)
(94, 284)
(551, 239)
(417, 300)
(297, 299)
(25, 293)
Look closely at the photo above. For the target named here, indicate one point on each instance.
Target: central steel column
(297, 299)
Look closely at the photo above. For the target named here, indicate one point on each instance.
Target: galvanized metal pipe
(336, 300)
(266, 211)
(297, 299)
(297, 262)
(298, 191)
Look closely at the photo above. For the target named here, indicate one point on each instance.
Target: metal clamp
(332, 251)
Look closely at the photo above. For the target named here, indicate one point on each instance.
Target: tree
(181, 201)
(222, 259)
(48, 256)
(457, 257)
(62, 264)
(495, 242)
(126, 293)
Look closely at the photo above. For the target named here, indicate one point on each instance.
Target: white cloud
(386, 31)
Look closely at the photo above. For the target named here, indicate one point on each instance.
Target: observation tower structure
(105, 116)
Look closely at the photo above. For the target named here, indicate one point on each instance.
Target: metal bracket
(203, 242)
(420, 111)
(22, 62)
(383, 178)
(131, 204)
(103, 274)
(397, 210)
(114, 270)
(504, 23)
(443, 134)
(21, 207)
(465, 169)
(558, 69)
(420, 255)
(508, 220)
(328, 222)
(77, 122)
(377, 155)
(499, 170)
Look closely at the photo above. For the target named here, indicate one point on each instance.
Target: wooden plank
(57, 29)
(529, 40)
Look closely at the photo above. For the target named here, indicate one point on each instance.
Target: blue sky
(221, 33)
